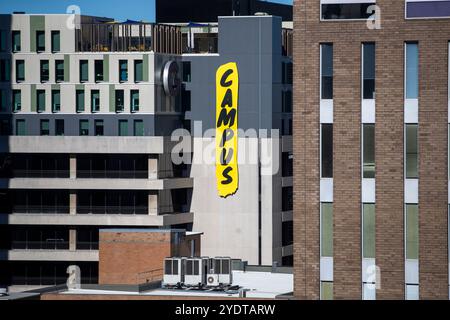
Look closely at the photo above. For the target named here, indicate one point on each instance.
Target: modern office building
(88, 109)
(371, 130)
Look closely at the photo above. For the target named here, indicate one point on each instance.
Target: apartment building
(87, 107)
(371, 169)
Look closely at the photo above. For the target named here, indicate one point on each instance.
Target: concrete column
(152, 204)
(73, 203)
(72, 239)
(73, 166)
(152, 168)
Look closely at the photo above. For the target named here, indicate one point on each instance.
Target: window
(98, 70)
(21, 129)
(5, 127)
(59, 70)
(427, 9)
(287, 166)
(411, 152)
(5, 70)
(40, 41)
(326, 230)
(95, 100)
(412, 231)
(138, 128)
(286, 73)
(335, 9)
(123, 128)
(84, 127)
(368, 234)
(368, 71)
(2, 40)
(17, 100)
(45, 71)
(98, 125)
(45, 127)
(119, 100)
(412, 71)
(84, 70)
(286, 103)
(186, 71)
(79, 100)
(123, 70)
(20, 70)
(326, 290)
(40, 99)
(186, 98)
(368, 151)
(327, 151)
(16, 43)
(138, 70)
(56, 101)
(59, 127)
(56, 42)
(327, 71)
(2, 100)
(134, 103)
(287, 203)
(287, 233)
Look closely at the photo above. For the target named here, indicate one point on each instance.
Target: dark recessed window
(56, 101)
(327, 71)
(427, 9)
(40, 100)
(119, 100)
(59, 70)
(123, 128)
(95, 100)
(21, 129)
(17, 100)
(84, 70)
(327, 151)
(56, 41)
(368, 71)
(5, 70)
(40, 41)
(59, 127)
(84, 127)
(369, 151)
(411, 146)
(138, 70)
(45, 71)
(45, 127)
(123, 70)
(187, 71)
(134, 103)
(99, 129)
(98, 70)
(20, 70)
(16, 43)
(346, 11)
(138, 128)
(79, 100)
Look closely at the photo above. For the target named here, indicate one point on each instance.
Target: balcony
(129, 36)
(48, 255)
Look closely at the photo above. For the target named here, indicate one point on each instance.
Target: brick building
(371, 163)
(135, 256)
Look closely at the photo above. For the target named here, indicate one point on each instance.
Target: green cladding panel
(66, 68)
(369, 230)
(112, 98)
(105, 67)
(145, 68)
(37, 23)
(327, 230)
(33, 103)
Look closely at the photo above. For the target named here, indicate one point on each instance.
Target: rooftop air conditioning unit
(219, 272)
(196, 270)
(174, 272)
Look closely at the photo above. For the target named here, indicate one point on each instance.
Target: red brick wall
(124, 257)
(347, 37)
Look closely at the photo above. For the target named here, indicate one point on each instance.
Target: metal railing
(125, 210)
(87, 245)
(113, 174)
(27, 209)
(54, 244)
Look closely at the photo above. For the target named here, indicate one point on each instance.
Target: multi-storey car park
(88, 106)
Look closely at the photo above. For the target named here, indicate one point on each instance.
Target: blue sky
(118, 9)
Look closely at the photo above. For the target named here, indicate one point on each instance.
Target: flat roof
(144, 230)
(259, 285)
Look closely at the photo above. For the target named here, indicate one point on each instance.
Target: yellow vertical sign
(227, 87)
